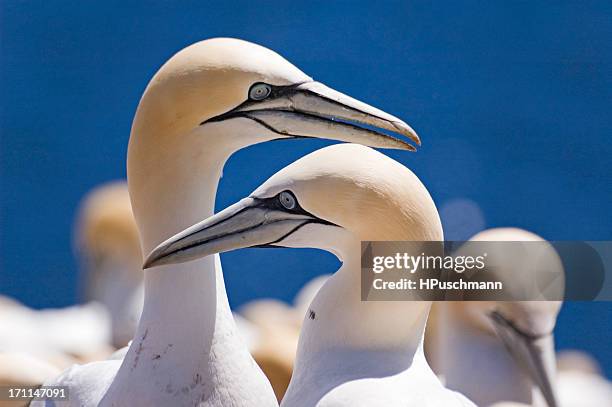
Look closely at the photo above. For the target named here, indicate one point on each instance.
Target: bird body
(416, 386)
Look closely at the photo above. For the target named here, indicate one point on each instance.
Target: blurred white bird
(207, 102)
(351, 352)
(59, 336)
(580, 381)
(484, 369)
(108, 246)
(504, 351)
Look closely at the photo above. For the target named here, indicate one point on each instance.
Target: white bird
(207, 102)
(351, 352)
(108, 246)
(500, 351)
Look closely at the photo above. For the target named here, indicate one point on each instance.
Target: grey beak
(312, 109)
(251, 222)
(535, 354)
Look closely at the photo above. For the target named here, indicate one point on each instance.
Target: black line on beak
(273, 245)
(501, 320)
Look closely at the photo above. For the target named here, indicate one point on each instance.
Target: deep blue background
(512, 101)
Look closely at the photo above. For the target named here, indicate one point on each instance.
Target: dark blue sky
(512, 100)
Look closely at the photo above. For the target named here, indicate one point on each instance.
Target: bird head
(247, 93)
(335, 196)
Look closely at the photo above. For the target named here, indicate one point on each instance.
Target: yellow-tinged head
(210, 78)
(105, 225)
(532, 317)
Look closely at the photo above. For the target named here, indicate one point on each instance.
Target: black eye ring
(287, 200)
(260, 91)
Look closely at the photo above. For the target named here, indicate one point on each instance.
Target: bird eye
(260, 91)
(287, 199)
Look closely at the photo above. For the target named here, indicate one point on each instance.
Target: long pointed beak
(249, 223)
(312, 109)
(535, 354)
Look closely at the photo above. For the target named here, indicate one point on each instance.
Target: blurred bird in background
(108, 248)
(580, 381)
(504, 351)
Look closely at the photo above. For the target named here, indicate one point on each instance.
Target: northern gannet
(208, 101)
(499, 351)
(108, 247)
(351, 352)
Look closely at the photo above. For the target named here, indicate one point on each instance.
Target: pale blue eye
(260, 91)
(287, 199)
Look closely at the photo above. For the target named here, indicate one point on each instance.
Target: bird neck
(174, 183)
(173, 187)
(180, 191)
(459, 345)
(339, 323)
(186, 344)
